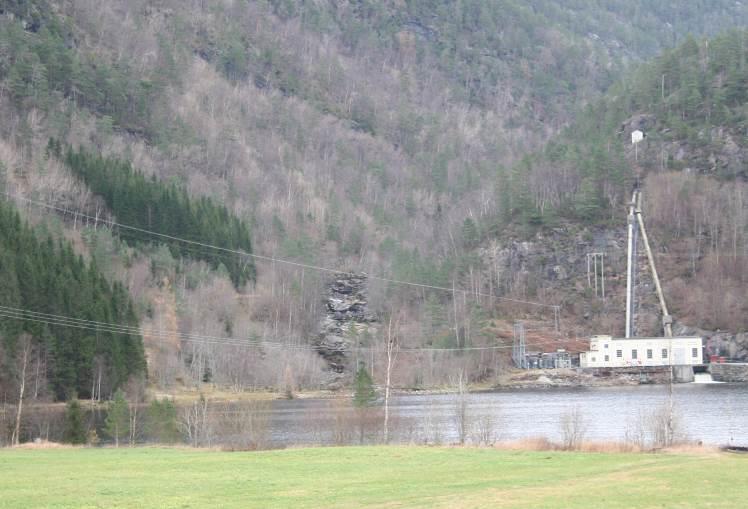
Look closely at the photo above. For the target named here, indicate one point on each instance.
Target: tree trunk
(361, 424)
(391, 354)
(36, 377)
(133, 422)
(16, 439)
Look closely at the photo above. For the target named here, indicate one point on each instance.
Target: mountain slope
(385, 137)
(692, 105)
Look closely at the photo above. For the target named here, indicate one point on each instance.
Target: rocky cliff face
(556, 259)
(715, 151)
(347, 323)
(723, 344)
(552, 266)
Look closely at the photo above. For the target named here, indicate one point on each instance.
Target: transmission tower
(519, 353)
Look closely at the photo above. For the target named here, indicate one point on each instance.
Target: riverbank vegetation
(361, 418)
(368, 476)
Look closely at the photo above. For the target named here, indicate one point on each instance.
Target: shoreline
(516, 380)
(536, 444)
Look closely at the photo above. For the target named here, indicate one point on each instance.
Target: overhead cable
(273, 259)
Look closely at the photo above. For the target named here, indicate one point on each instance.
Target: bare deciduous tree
(462, 417)
(343, 422)
(636, 430)
(573, 428)
(195, 423)
(664, 426)
(135, 391)
(484, 430)
(392, 346)
(243, 425)
(24, 356)
(433, 428)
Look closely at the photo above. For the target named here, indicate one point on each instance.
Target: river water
(713, 413)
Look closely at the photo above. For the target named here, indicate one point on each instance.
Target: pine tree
(117, 423)
(587, 202)
(364, 398)
(75, 432)
(161, 423)
(470, 235)
(168, 209)
(365, 394)
(9, 297)
(48, 277)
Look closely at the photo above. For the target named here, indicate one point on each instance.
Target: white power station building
(610, 352)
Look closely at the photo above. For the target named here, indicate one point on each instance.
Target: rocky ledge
(347, 320)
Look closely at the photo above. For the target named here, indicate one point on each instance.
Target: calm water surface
(713, 413)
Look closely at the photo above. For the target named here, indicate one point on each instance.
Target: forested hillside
(168, 210)
(547, 55)
(692, 104)
(92, 357)
(413, 141)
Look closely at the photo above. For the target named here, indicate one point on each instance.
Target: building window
(606, 345)
(593, 359)
(633, 353)
(649, 353)
(694, 352)
(607, 358)
(664, 353)
(619, 353)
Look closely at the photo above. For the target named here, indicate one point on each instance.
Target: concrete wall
(645, 374)
(729, 372)
(683, 374)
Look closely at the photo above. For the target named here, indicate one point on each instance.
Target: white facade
(610, 352)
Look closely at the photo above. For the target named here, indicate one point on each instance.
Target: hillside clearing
(367, 476)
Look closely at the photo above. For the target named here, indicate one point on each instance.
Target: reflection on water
(712, 413)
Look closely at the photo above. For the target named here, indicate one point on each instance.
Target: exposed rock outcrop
(718, 151)
(347, 321)
(554, 263)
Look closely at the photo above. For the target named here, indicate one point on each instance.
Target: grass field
(368, 476)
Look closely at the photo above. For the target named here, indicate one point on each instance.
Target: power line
(64, 321)
(278, 260)
(239, 342)
(118, 329)
(92, 325)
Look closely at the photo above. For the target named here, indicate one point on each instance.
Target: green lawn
(368, 476)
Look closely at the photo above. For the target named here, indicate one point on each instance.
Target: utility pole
(557, 318)
(662, 87)
(593, 261)
(630, 267)
(519, 354)
(392, 348)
